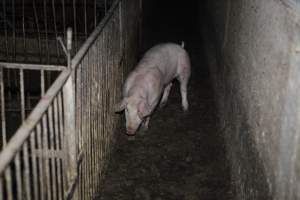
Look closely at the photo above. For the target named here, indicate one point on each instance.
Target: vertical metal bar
(57, 133)
(140, 20)
(8, 183)
(1, 188)
(40, 162)
(95, 13)
(46, 31)
(5, 29)
(42, 82)
(90, 120)
(19, 186)
(23, 28)
(64, 17)
(89, 139)
(17, 158)
(33, 147)
(46, 160)
(70, 143)
(3, 117)
(85, 19)
(83, 126)
(26, 170)
(52, 148)
(38, 29)
(121, 27)
(69, 132)
(75, 24)
(61, 131)
(22, 94)
(45, 146)
(14, 29)
(55, 30)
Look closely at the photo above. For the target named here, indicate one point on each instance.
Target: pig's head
(135, 112)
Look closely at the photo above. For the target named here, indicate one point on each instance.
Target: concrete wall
(253, 49)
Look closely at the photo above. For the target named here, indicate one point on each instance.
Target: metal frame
(60, 150)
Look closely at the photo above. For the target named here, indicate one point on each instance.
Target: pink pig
(151, 82)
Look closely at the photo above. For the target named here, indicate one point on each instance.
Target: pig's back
(165, 57)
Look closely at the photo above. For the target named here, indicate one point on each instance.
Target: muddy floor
(181, 157)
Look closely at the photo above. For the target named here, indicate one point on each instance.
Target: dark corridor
(182, 156)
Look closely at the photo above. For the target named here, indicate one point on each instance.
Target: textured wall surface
(253, 48)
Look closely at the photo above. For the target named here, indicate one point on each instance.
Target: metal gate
(61, 149)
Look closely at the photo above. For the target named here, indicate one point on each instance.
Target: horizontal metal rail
(32, 66)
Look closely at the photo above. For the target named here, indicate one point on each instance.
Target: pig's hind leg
(183, 78)
(165, 96)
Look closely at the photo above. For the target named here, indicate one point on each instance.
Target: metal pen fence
(61, 149)
(29, 28)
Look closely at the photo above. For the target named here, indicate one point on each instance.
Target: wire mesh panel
(29, 28)
(99, 79)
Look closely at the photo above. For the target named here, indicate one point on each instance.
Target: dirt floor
(181, 156)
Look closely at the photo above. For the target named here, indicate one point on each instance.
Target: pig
(150, 83)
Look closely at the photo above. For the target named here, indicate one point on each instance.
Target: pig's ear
(144, 110)
(120, 106)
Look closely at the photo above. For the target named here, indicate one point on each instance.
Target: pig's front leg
(165, 96)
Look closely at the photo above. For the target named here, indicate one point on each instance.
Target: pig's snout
(130, 131)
